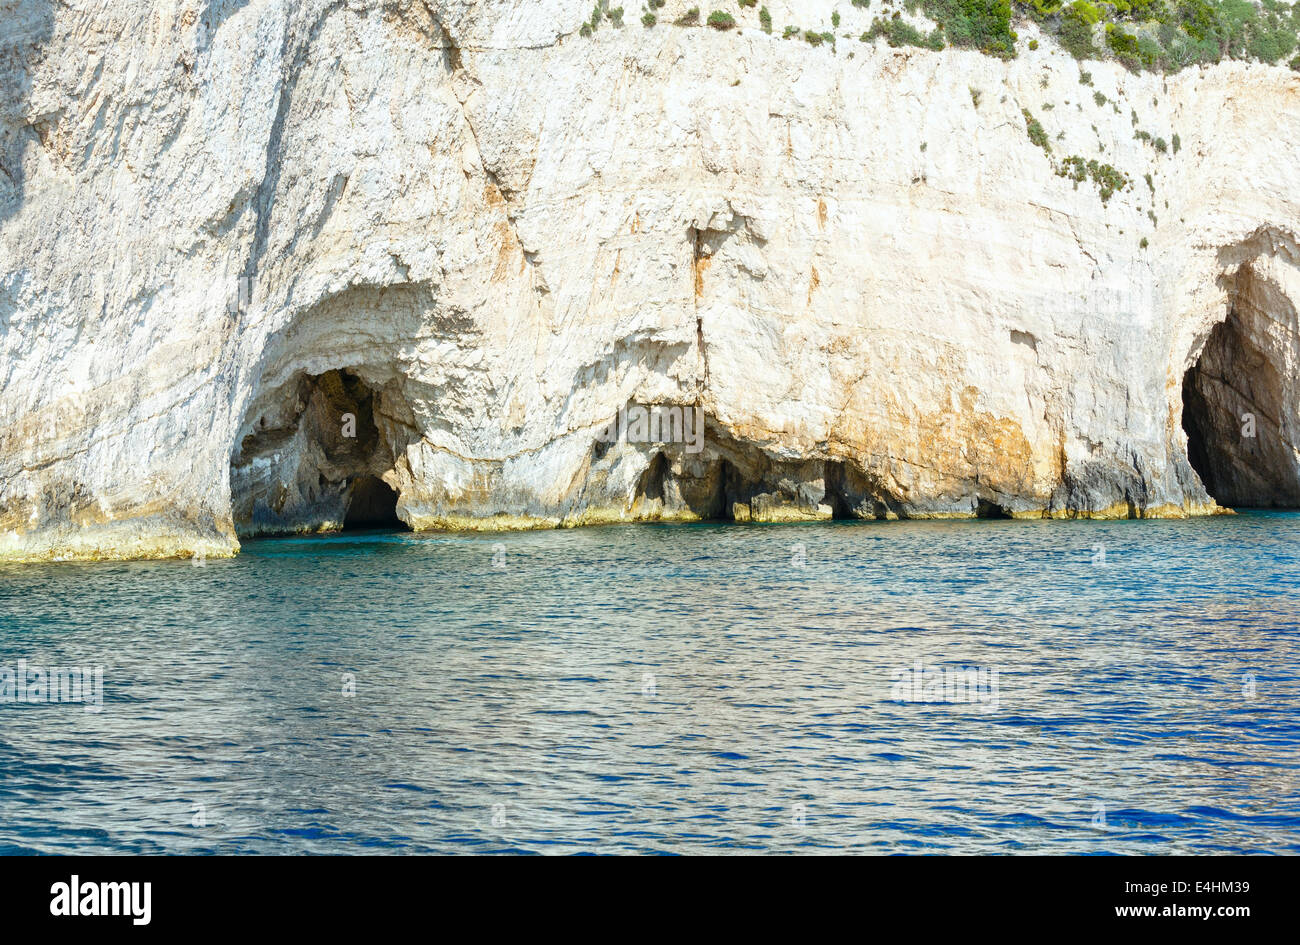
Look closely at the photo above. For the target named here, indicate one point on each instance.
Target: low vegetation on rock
(1107, 178)
(1142, 35)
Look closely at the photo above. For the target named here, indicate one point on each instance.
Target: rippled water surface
(670, 689)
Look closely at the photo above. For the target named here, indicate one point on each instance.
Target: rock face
(228, 227)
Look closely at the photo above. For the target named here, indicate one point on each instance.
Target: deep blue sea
(1132, 688)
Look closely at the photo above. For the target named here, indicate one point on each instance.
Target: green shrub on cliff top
(1075, 34)
(1135, 52)
(1085, 12)
(901, 33)
(1158, 35)
(977, 24)
(974, 24)
(1168, 35)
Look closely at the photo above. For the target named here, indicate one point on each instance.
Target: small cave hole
(372, 504)
(986, 509)
(652, 480)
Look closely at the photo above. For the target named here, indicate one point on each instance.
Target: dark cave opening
(372, 504)
(1232, 408)
(985, 508)
(652, 480)
(1199, 429)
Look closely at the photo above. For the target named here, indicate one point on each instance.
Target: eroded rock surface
(223, 225)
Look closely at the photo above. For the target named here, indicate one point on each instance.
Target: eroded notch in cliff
(317, 454)
(854, 494)
(732, 479)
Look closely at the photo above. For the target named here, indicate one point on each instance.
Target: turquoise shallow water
(670, 689)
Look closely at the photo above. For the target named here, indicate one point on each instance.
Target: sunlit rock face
(223, 226)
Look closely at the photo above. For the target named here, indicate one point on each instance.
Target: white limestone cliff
(224, 225)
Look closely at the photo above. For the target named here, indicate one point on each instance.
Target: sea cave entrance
(1233, 415)
(372, 503)
(317, 453)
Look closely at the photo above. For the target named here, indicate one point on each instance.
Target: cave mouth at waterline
(317, 454)
(1232, 415)
(372, 504)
